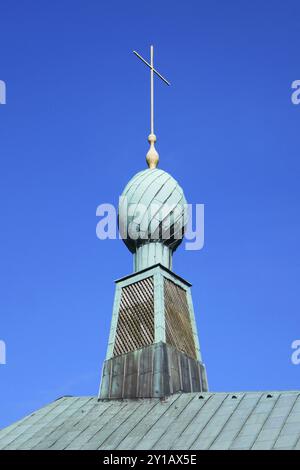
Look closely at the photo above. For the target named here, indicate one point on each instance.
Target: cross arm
(152, 68)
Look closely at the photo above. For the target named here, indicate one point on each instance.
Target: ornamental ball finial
(152, 156)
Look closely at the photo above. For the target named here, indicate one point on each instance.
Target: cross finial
(152, 155)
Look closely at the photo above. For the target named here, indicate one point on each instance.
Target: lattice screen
(179, 331)
(135, 327)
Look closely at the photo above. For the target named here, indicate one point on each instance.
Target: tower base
(155, 371)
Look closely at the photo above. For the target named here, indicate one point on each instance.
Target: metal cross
(152, 72)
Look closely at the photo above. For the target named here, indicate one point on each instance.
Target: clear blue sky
(74, 131)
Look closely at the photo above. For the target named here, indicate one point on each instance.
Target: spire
(153, 348)
(152, 156)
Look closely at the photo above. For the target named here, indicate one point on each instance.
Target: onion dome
(152, 217)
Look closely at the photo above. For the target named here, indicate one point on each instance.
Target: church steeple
(153, 348)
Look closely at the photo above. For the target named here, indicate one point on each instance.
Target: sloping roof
(252, 420)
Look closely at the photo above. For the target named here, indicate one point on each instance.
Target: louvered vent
(135, 327)
(178, 324)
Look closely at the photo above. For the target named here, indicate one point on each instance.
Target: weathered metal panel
(157, 370)
(203, 377)
(157, 378)
(130, 375)
(145, 372)
(116, 377)
(185, 374)
(175, 382)
(195, 376)
(106, 377)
